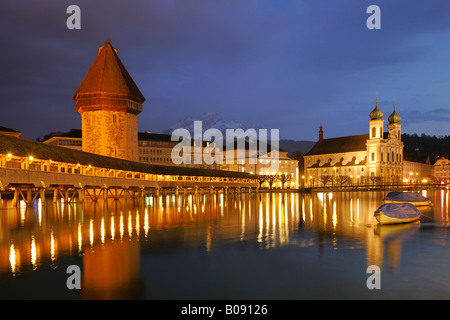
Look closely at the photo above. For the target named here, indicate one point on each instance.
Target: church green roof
(376, 113)
(394, 117)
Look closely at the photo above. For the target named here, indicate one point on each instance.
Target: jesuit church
(376, 157)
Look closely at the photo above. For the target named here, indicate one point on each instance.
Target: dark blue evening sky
(291, 65)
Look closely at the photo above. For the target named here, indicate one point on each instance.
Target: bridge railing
(32, 164)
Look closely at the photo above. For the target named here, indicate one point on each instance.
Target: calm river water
(236, 246)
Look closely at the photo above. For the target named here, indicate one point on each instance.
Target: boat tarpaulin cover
(405, 196)
(399, 210)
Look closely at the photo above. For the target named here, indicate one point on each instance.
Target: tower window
(374, 132)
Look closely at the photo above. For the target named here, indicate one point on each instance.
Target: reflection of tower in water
(112, 271)
(114, 234)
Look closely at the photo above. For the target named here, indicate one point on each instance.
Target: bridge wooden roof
(38, 150)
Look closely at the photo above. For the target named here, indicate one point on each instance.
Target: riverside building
(372, 158)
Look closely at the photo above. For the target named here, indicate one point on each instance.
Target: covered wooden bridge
(30, 169)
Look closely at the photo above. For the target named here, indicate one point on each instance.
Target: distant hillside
(293, 145)
(214, 120)
(418, 148)
(211, 121)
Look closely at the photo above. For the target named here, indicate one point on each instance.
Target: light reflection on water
(173, 247)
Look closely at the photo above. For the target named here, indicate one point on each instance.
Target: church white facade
(373, 158)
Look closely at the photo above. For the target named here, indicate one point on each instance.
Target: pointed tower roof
(107, 74)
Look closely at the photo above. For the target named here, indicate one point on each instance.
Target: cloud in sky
(292, 65)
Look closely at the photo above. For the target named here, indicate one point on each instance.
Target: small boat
(394, 213)
(407, 197)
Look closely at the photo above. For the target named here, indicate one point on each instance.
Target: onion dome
(394, 117)
(376, 113)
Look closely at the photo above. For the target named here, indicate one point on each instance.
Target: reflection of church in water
(108, 239)
(376, 157)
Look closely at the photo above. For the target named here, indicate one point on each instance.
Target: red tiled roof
(107, 74)
(339, 145)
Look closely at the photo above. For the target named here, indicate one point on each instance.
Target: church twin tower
(109, 101)
(376, 124)
(384, 152)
